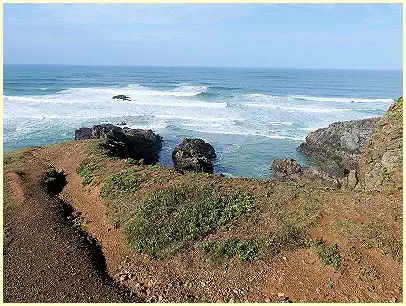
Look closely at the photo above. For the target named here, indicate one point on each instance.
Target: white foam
(298, 108)
(339, 99)
(192, 89)
(232, 131)
(281, 123)
(205, 119)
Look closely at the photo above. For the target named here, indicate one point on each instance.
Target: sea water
(250, 116)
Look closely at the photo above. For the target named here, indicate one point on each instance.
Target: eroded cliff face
(338, 147)
(382, 161)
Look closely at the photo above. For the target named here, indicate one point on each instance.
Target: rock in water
(122, 97)
(283, 167)
(124, 143)
(194, 155)
(381, 164)
(339, 145)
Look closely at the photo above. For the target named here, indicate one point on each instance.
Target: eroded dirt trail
(44, 261)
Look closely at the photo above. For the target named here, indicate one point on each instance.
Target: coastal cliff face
(381, 162)
(339, 145)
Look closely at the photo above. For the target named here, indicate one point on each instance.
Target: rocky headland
(360, 153)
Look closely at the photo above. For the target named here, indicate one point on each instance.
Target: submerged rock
(339, 145)
(124, 143)
(122, 97)
(194, 155)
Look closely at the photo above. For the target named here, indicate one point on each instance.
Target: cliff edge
(381, 162)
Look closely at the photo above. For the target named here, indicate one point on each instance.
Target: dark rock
(194, 155)
(290, 170)
(122, 123)
(124, 143)
(339, 145)
(283, 167)
(122, 97)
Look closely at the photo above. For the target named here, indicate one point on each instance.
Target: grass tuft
(329, 255)
(287, 237)
(218, 250)
(87, 169)
(171, 218)
(121, 184)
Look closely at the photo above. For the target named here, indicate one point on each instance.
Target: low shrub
(87, 169)
(121, 184)
(173, 217)
(329, 255)
(221, 249)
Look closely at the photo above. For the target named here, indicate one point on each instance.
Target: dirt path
(44, 261)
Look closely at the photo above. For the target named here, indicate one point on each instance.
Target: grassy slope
(215, 221)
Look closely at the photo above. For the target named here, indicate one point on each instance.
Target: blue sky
(345, 36)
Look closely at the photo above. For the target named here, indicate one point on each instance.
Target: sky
(347, 36)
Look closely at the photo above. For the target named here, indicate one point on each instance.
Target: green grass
(121, 184)
(87, 169)
(219, 250)
(386, 175)
(372, 233)
(133, 161)
(95, 147)
(172, 218)
(329, 255)
(287, 237)
(397, 112)
(11, 158)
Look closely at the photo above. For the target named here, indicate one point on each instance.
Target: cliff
(381, 163)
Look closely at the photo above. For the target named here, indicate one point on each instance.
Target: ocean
(250, 116)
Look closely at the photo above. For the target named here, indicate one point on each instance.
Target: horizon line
(192, 66)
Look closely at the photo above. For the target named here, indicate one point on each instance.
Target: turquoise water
(250, 116)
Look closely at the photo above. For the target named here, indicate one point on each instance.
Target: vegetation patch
(171, 218)
(218, 250)
(87, 169)
(386, 175)
(287, 237)
(95, 147)
(329, 255)
(373, 233)
(121, 184)
(396, 112)
(11, 158)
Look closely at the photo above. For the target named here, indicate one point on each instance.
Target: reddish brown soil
(298, 275)
(44, 261)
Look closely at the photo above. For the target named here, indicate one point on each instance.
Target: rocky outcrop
(124, 143)
(194, 155)
(284, 167)
(338, 147)
(122, 97)
(381, 164)
(290, 170)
